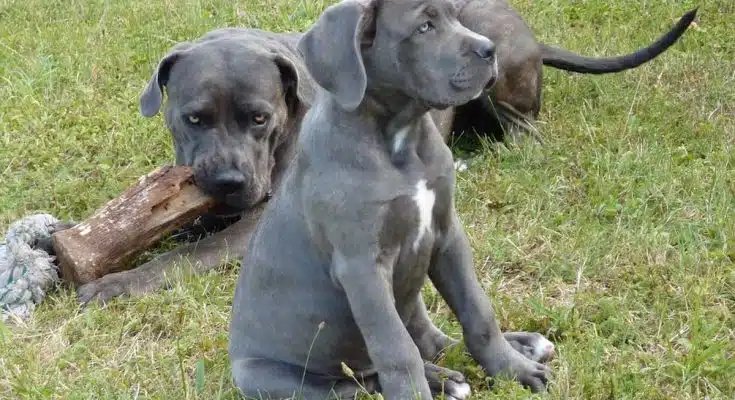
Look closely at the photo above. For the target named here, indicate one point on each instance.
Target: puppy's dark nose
(485, 50)
(228, 182)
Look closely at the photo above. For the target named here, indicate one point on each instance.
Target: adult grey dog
(234, 108)
(365, 213)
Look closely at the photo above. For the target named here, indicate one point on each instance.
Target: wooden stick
(109, 240)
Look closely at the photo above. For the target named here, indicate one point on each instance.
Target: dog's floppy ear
(293, 84)
(331, 49)
(152, 96)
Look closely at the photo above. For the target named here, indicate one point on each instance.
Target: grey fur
(365, 214)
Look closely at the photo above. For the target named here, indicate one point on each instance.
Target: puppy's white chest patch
(424, 199)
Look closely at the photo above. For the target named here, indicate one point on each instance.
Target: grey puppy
(365, 213)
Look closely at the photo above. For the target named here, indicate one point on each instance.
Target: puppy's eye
(193, 119)
(425, 27)
(260, 118)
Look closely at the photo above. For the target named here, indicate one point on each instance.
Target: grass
(616, 239)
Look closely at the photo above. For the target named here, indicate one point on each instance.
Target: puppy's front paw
(508, 362)
(444, 381)
(105, 288)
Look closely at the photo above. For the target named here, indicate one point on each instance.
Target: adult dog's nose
(485, 49)
(228, 182)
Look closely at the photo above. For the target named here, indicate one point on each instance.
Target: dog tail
(566, 60)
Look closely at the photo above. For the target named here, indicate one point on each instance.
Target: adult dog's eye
(260, 118)
(425, 27)
(193, 119)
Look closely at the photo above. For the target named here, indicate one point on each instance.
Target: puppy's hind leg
(430, 340)
(258, 378)
(447, 382)
(532, 345)
(432, 343)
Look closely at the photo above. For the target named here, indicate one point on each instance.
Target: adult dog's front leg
(390, 347)
(453, 274)
(192, 258)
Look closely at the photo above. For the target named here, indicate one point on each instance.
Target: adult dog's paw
(105, 288)
(532, 345)
(444, 381)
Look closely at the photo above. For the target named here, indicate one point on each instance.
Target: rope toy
(27, 269)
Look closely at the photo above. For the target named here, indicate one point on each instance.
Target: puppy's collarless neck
(390, 106)
(396, 120)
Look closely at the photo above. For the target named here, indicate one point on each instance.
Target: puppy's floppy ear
(152, 96)
(331, 49)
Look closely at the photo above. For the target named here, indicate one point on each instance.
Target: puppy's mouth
(488, 86)
(470, 83)
(469, 77)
